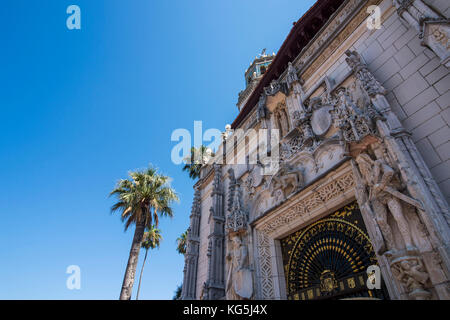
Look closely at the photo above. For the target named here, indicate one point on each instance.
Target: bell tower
(253, 74)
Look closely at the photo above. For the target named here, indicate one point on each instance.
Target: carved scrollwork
(292, 76)
(282, 119)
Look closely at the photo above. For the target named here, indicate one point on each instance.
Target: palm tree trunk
(140, 276)
(128, 280)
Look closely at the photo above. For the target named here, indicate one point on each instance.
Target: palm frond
(143, 197)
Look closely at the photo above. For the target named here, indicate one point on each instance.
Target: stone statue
(261, 111)
(291, 74)
(385, 198)
(239, 283)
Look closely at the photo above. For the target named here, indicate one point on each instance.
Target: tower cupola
(253, 74)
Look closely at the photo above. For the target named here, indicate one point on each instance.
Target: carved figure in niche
(286, 176)
(385, 198)
(411, 273)
(282, 119)
(291, 74)
(261, 112)
(239, 283)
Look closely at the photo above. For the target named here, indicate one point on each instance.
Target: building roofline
(301, 33)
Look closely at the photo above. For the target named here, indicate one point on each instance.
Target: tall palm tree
(141, 200)
(151, 240)
(198, 158)
(181, 243)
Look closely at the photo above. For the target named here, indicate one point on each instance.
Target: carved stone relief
(287, 180)
(321, 120)
(240, 276)
(239, 280)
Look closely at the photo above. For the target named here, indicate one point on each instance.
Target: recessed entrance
(329, 258)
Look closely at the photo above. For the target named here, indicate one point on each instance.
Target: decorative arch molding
(336, 189)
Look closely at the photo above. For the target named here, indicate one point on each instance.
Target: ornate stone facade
(344, 138)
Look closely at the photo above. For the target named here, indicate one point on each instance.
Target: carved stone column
(214, 287)
(418, 251)
(192, 250)
(433, 29)
(239, 279)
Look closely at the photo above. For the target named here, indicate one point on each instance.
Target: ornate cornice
(301, 34)
(332, 36)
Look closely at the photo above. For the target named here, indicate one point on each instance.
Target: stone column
(214, 287)
(188, 291)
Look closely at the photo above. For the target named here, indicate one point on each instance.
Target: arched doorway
(329, 258)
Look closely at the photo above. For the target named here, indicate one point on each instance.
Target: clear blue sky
(80, 108)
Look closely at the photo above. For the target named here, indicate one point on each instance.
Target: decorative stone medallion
(321, 120)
